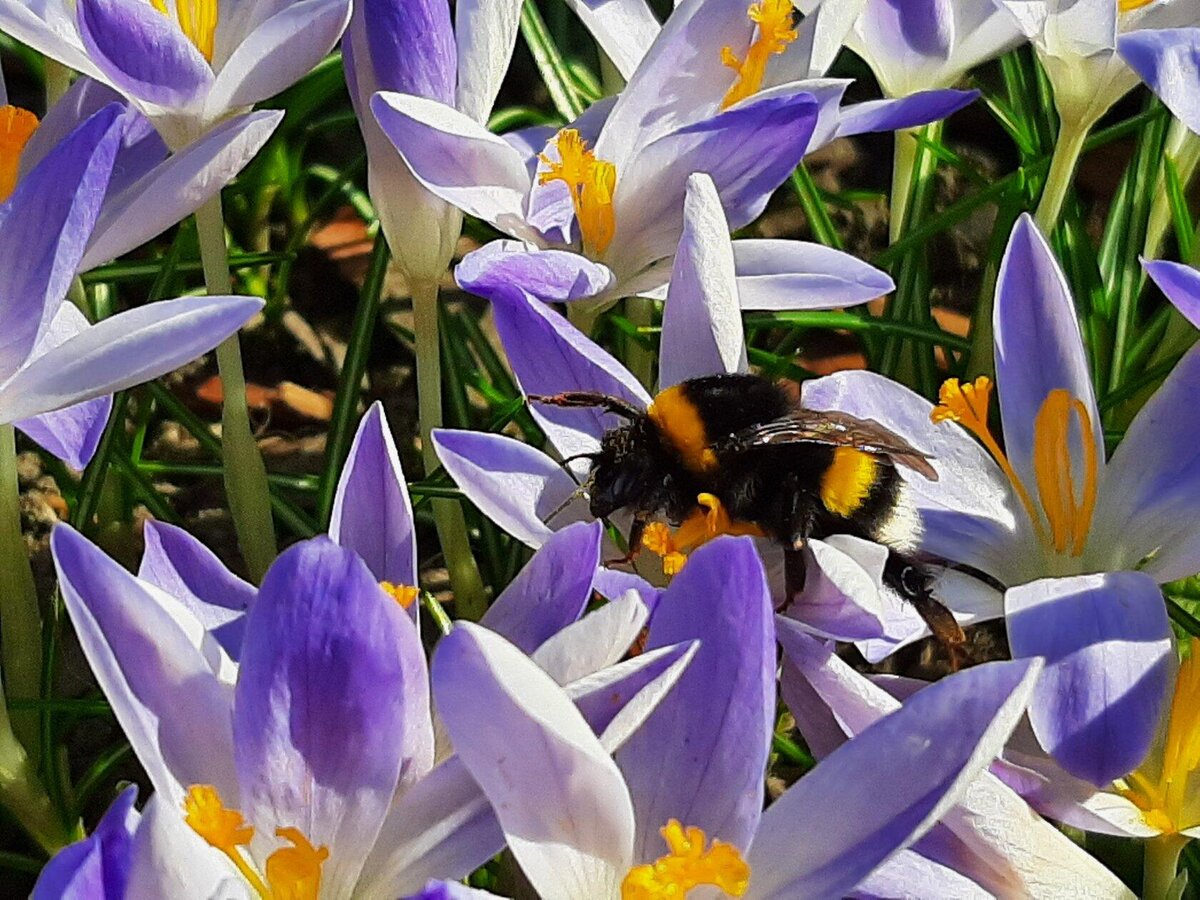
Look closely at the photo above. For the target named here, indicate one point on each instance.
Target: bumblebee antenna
(606, 402)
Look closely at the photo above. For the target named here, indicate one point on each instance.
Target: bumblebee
(741, 445)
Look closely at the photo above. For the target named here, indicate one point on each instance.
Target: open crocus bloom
(989, 844)
(1080, 543)
(1077, 46)
(52, 359)
(681, 807)
(186, 64)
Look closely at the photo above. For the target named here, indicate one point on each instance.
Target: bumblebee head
(625, 468)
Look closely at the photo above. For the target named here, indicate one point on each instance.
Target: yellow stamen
(404, 594)
(1069, 520)
(775, 20)
(223, 828)
(688, 864)
(1162, 796)
(1130, 5)
(294, 873)
(197, 20)
(16, 128)
(710, 519)
(657, 538)
(592, 183)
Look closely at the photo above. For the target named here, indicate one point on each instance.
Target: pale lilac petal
(814, 718)
(909, 874)
(180, 565)
(702, 323)
(171, 860)
(903, 112)
(96, 868)
(841, 597)
(450, 890)
(457, 159)
(505, 268)
(884, 789)
(177, 187)
(278, 53)
(624, 29)
(372, 513)
(50, 29)
(1180, 283)
(44, 228)
(720, 716)
(142, 52)
(1035, 320)
(1168, 60)
(551, 592)
(331, 711)
(160, 675)
(1107, 645)
(487, 33)
(121, 351)
(72, 433)
(513, 484)
(598, 640)
(782, 275)
(493, 699)
(613, 583)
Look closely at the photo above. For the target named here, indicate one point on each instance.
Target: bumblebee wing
(836, 429)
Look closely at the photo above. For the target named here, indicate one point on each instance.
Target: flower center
(687, 864)
(16, 128)
(197, 20)
(591, 182)
(775, 20)
(1162, 797)
(710, 519)
(1066, 513)
(292, 873)
(404, 594)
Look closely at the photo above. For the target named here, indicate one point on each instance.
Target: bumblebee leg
(794, 572)
(640, 520)
(911, 580)
(588, 399)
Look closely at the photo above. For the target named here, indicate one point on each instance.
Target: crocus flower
(1079, 543)
(52, 359)
(409, 46)
(696, 777)
(612, 185)
(310, 761)
(186, 65)
(989, 844)
(97, 866)
(1168, 60)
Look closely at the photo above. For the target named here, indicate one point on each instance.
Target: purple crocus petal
(410, 45)
(841, 596)
(72, 433)
(909, 874)
(121, 351)
(552, 590)
(912, 111)
(613, 583)
(881, 791)
(142, 52)
(442, 827)
(449, 890)
(720, 716)
(777, 274)
(331, 710)
(598, 640)
(184, 568)
(702, 323)
(487, 34)
(513, 484)
(372, 513)
(624, 29)
(96, 868)
(44, 227)
(164, 678)
(1180, 283)
(1107, 645)
(505, 268)
(814, 718)
(278, 53)
(1168, 60)
(492, 698)
(458, 159)
(177, 187)
(1035, 319)
(1145, 508)
(549, 355)
(913, 29)
(748, 150)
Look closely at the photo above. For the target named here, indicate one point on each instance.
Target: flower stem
(1161, 861)
(903, 166)
(639, 360)
(1067, 149)
(22, 793)
(245, 474)
(21, 621)
(470, 597)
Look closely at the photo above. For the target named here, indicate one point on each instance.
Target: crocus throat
(16, 128)
(591, 182)
(1066, 513)
(197, 20)
(404, 594)
(710, 519)
(775, 20)
(1162, 796)
(292, 873)
(687, 864)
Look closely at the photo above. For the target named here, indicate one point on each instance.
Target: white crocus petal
(486, 31)
(624, 29)
(168, 859)
(598, 640)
